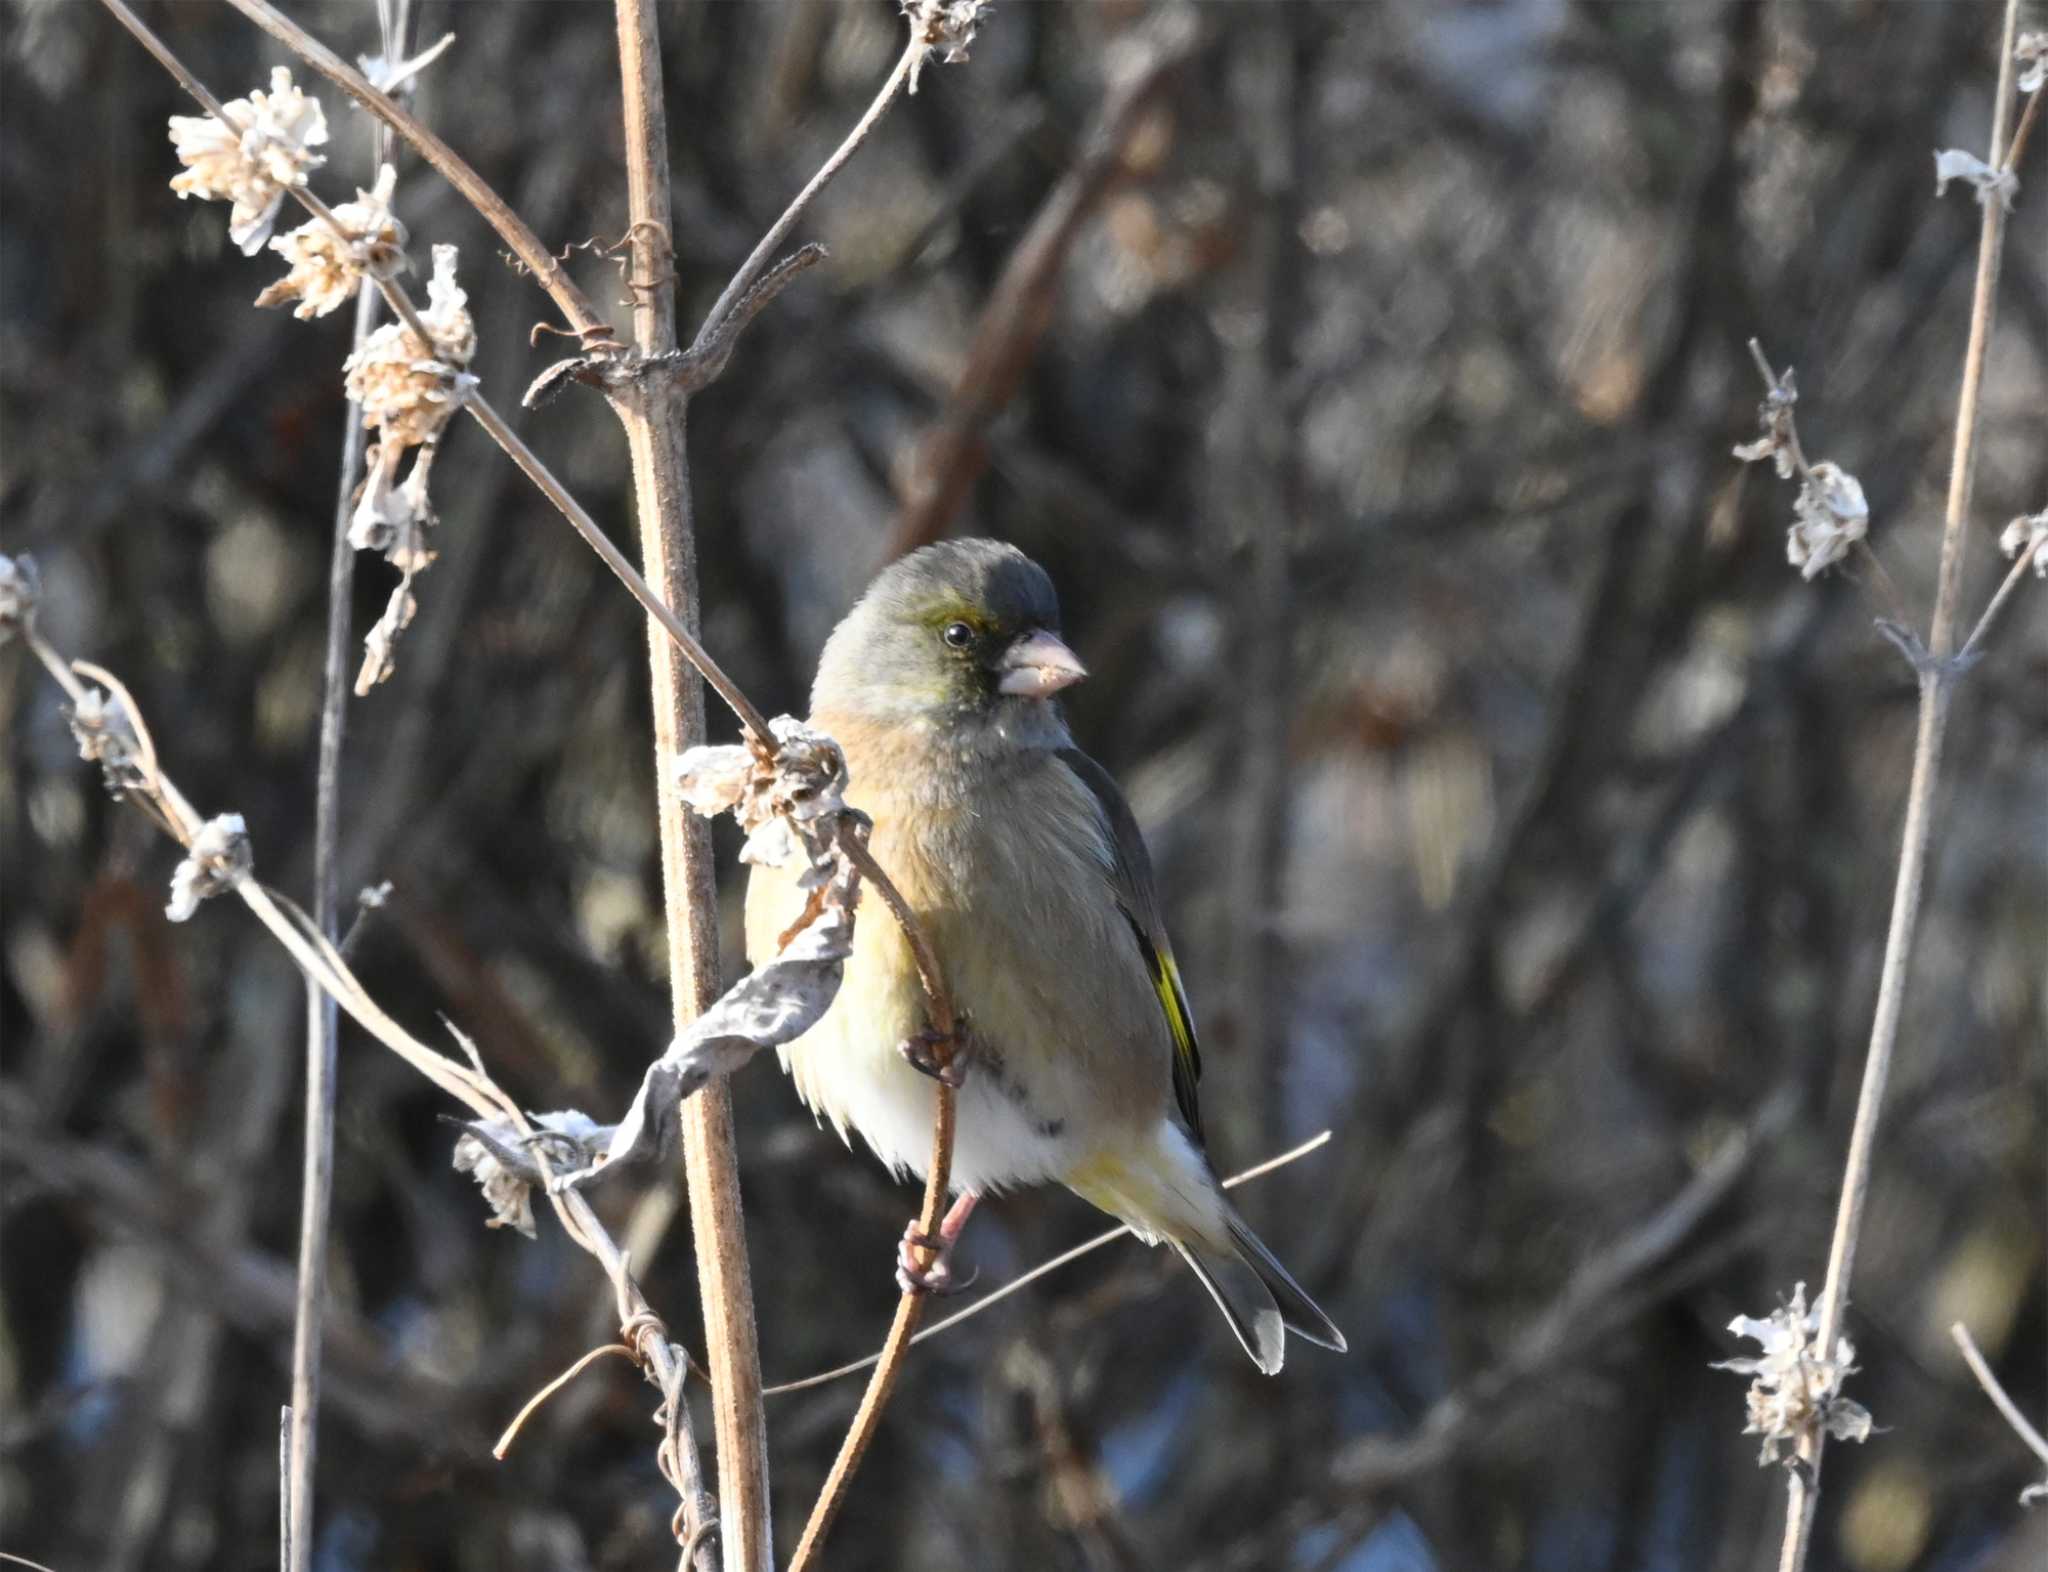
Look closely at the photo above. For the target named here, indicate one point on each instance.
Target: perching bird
(1029, 876)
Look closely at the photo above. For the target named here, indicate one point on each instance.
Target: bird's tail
(1258, 1297)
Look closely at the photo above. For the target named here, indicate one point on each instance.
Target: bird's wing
(1136, 894)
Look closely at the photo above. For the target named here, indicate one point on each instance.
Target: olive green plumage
(1029, 874)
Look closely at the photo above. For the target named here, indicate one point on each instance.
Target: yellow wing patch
(1187, 1055)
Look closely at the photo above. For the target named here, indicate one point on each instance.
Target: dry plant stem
(1936, 678)
(945, 1021)
(322, 1016)
(895, 1349)
(511, 228)
(750, 270)
(654, 418)
(1974, 644)
(1993, 1389)
(658, 609)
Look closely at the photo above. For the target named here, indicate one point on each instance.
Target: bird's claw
(915, 1277)
(923, 1054)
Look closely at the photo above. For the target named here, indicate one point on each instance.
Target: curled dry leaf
(792, 804)
(218, 859)
(1831, 515)
(2026, 537)
(20, 587)
(265, 147)
(1794, 1389)
(328, 260)
(504, 1160)
(1952, 163)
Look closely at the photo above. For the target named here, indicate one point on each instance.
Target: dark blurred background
(1366, 377)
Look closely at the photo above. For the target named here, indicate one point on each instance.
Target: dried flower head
(781, 801)
(326, 265)
(218, 859)
(106, 737)
(1779, 441)
(2032, 54)
(1952, 163)
(2026, 537)
(409, 388)
(941, 27)
(502, 1159)
(1831, 516)
(20, 587)
(264, 148)
(1796, 1390)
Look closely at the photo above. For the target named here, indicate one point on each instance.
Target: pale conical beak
(1037, 666)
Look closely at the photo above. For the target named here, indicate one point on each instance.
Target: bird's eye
(957, 635)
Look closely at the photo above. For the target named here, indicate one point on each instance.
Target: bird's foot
(935, 1276)
(941, 1055)
(915, 1276)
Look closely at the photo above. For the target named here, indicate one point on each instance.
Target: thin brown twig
(735, 291)
(2028, 116)
(2002, 1401)
(910, 1308)
(1935, 680)
(533, 1404)
(511, 228)
(1973, 645)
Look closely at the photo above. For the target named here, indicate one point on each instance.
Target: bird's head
(960, 637)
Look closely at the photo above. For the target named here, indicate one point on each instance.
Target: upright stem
(654, 418)
(1936, 679)
(316, 1188)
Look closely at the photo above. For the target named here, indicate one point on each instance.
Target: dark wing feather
(1131, 877)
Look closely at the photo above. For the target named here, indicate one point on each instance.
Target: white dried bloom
(1796, 1390)
(106, 737)
(501, 1159)
(1774, 419)
(2027, 536)
(407, 388)
(325, 267)
(218, 859)
(2032, 53)
(1952, 163)
(1831, 517)
(20, 586)
(777, 801)
(264, 148)
(942, 27)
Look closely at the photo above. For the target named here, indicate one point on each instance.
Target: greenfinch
(1029, 877)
